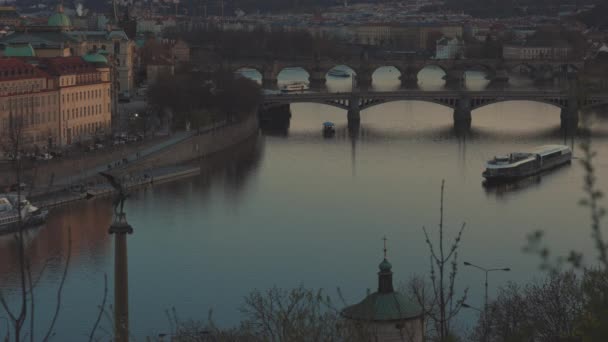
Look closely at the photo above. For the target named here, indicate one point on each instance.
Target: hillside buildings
(58, 38)
(29, 104)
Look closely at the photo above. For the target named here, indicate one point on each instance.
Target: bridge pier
(454, 78)
(269, 79)
(409, 79)
(354, 111)
(364, 80)
(269, 83)
(462, 113)
(501, 76)
(317, 80)
(569, 116)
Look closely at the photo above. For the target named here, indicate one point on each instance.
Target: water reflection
(505, 190)
(88, 223)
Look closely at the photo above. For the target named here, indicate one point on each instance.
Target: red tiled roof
(67, 66)
(14, 69)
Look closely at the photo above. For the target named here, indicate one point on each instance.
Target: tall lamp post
(485, 305)
(120, 228)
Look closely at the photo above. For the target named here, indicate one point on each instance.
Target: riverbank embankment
(159, 164)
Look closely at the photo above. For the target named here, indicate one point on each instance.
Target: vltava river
(295, 208)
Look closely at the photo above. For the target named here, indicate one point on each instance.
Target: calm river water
(296, 208)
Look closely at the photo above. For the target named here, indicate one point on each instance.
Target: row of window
(82, 96)
(19, 87)
(80, 79)
(82, 112)
(15, 104)
(31, 119)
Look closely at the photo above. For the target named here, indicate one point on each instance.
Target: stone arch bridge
(364, 67)
(461, 102)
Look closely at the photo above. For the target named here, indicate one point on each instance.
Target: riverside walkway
(132, 157)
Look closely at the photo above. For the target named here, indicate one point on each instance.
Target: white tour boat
(296, 86)
(523, 164)
(9, 216)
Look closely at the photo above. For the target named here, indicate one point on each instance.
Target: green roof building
(388, 314)
(59, 19)
(95, 58)
(19, 50)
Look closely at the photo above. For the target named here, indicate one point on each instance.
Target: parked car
(56, 154)
(44, 156)
(11, 156)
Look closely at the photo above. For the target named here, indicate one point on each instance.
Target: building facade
(84, 93)
(59, 39)
(29, 106)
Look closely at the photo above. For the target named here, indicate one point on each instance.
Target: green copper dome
(378, 306)
(386, 304)
(19, 50)
(95, 58)
(385, 266)
(59, 19)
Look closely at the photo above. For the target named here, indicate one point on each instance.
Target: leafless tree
(445, 304)
(544, 311)
(24, 309)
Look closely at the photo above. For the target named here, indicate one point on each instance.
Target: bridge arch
(386, 77)
(350, 67)
(558, 103)
(433, 65)
(295, 73)
(376, 102)
(250, 73)
(238, 67)
(431, 76)
(474, 66)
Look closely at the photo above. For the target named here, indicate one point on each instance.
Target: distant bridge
(462, 102)
(497, 70)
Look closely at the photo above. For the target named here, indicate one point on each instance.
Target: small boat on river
(523, 164)
(329, 129)
(11, 220)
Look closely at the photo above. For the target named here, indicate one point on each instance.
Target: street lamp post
(485, 305)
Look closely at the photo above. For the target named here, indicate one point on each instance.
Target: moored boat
(11, 220)
(338, 73)
(523, 164)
